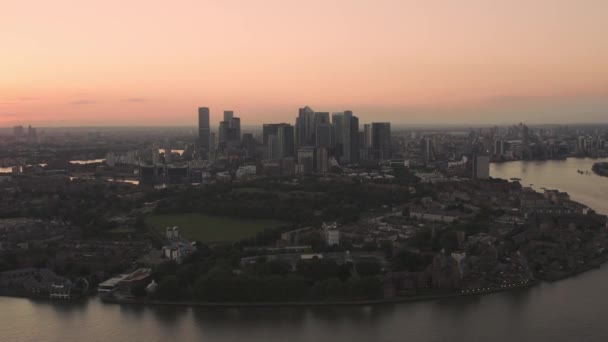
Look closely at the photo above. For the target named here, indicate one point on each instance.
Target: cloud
(135, 99)
(83, 102)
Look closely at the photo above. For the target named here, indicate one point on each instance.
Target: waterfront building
(480, 167)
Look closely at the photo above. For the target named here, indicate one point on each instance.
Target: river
(569, 310)
(587, 188)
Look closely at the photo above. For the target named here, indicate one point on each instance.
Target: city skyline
(111, 64)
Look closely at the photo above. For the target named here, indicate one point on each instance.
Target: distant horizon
(248, 126)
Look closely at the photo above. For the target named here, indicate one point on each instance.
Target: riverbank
(385, 301)
(600, 169)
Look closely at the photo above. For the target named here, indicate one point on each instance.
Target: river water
(569, 310)
(587, 188)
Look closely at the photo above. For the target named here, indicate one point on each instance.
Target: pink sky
(66, 63)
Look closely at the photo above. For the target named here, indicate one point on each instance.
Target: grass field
(207, 228)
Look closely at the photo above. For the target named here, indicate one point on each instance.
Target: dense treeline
(308, 202)
(209, 277)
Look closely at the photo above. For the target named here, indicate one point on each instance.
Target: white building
(246, 171)
(331, 234)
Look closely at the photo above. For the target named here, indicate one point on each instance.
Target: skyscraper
(354, 139)
(204, 131)
(322, 162)
(285, 139)
(381, 140)
(348, 127)
(273, 147)
(323, 135)
(285, 134)
(229, 132)
(305, 127)
(367, 136)
(337, 133)
(322, 130)
(228, 115)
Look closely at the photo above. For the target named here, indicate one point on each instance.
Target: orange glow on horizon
(69, 62)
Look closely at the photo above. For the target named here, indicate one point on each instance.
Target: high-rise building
(381, 140)
(286, 136)
(306, 159)
(480, 167)
(322, 130)
(305, 127)
(499, 147)
(323, 135)
(354, 139)
(367, 136)
(235, 126)
(223, 134)
(273, 147)
(269, 129)
(249, 145)
(337, 125)
(228, 115)
(204, 130)
(212, 141)
(347, 137)
(229, 132)
(322, 164)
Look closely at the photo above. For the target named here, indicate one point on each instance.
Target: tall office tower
(267, 130)
(337, 130)
(228, 115)
(381, 140)
(235, 127)
(322, 164)
(306, 159)
(212, 141)
(286, 136)
(305, 127)
(480, 167)
(349, 140)
(323, 135)
(367, 136)
(321, 118)
(222, 135)
(354, 139)
(204, 130)
(273, 147)
(249, 145)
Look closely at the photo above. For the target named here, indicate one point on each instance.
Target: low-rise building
(331, 234)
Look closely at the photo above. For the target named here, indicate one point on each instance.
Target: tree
(168, 288)
(368, 268)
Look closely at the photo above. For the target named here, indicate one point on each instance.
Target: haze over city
(110, 63)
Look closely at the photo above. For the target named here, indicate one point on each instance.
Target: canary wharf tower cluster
(317, 142)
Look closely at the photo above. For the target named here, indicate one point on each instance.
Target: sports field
(205, 228)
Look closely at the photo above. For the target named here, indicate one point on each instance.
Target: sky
(109, 63)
